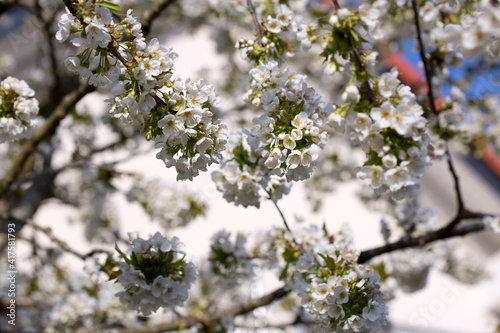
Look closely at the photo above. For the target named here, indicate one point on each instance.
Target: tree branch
(336, 4)
(430, 93)
(6, 5)
(440, 234)
(233, 311)
(427, 68)
(255, 21)
(62, 110)
(284, 220)
(64, 246)
(154, 13)
(50, 41)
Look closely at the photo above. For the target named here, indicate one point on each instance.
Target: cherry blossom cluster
(323, 270)
(475, 33)
(463, 263)
(393, 133)
(92, 307)
(170, 206)
(18, 110)
(190, 139)
(470, 120)
(230, 262)
(244, 179)
(492, 223)
(347, 31)
(282, 143)
(452, 31)
(278, 38)
(411, 216)
(410, 268)
(155, 274)
(291, 129)
(176, 114)
(382, 115)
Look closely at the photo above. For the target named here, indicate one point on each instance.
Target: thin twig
(430, 93)
(52, 53)
(154, 13)
(255, 21)
(427, 68)
(6, 5)
(64, 246)
(284, 221)
(357, 60)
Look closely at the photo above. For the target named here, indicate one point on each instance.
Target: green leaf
(114, 274)
(111, 6)
(330, 262)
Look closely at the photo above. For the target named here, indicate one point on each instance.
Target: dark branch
(64, 246)
(255, 21)
(336, 4)
(284, 220)
(52, 50)
(427, 68)
(441, 234)
(6, 5)
(430, 93)
(154, 13)
(233, 311)
(63, 109)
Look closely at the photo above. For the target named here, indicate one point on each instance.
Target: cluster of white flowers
(346, 31)
(476, 34)
(282, 143)
(339, 293)
(190, 139)
(492, 223)
(155, 274)
(394, 136)
(95, 307)
(288, 134)
(177, 115)
(412, 216)
(472, 121)
(18, 110)
(244, 178)
(410, 268)
(462, 262)
(230, 262)
(279, 36)
(173, 207)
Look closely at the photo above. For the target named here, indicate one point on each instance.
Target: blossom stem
(359, 63)
(432, 102)
(284, 220)
(255, 20)
(64, 246)
(427, 69)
